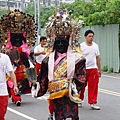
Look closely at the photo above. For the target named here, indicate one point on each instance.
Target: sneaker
(93, 106)
(50, 117)
(18, 103)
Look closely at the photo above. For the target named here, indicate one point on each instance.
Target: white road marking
(109, 92)
(44, 97)
(21, 114)
(111, 76)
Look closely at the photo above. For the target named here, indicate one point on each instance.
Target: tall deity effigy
(18, 34)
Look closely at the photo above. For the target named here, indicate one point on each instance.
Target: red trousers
(3, 106)
(92, 80)
(38, 67)
(15, 98)
(51, 107)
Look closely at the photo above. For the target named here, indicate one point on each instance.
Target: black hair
(87, 32)
(42, 38)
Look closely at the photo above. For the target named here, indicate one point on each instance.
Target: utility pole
(39, 24)
(56, 3)
(22, 5)
(49, 2)
(8, 4)
(35, 6)
(44, 2)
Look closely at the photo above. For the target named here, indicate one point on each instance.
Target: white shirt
(90, 53)
(5, 65)
(40, 57)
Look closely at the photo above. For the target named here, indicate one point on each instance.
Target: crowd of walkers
(59, 65)
(55, 68)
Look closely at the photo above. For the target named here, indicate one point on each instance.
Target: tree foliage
(2, 12)
(45, 12)
(98, 12)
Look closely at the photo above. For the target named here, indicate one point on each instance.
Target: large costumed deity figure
(18, 32)
(63, 71)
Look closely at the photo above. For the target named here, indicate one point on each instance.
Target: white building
(67, 1)
(14, 4)
(55, 2)
(21, 4)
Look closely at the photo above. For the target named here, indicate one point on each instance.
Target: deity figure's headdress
(61, 24)
(17, 22)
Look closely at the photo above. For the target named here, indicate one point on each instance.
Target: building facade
(21, 4)
(55, 2)
(14, 4)
(58, 2)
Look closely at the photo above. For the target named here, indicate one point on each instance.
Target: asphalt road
(108, 100)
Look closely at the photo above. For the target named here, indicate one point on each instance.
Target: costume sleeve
(43, 77)
(80, 74)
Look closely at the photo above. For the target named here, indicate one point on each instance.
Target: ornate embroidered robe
(63, 106)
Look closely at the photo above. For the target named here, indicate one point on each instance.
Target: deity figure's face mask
(61, 44)
(16, 39)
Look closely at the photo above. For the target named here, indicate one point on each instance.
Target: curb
(112, 75)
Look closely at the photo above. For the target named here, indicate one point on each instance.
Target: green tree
(45, 13)
(2, 12)
(96, 12)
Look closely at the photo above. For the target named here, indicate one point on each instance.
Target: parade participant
(39, 52)
(19, 33)
(91, 52)
(63, 75)
(5, 65)
(19, 57)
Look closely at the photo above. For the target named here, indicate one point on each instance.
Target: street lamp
(56, 3)
(37, 20)
(35, 6)
(39, 25)
(8, 4)
(22, 5)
